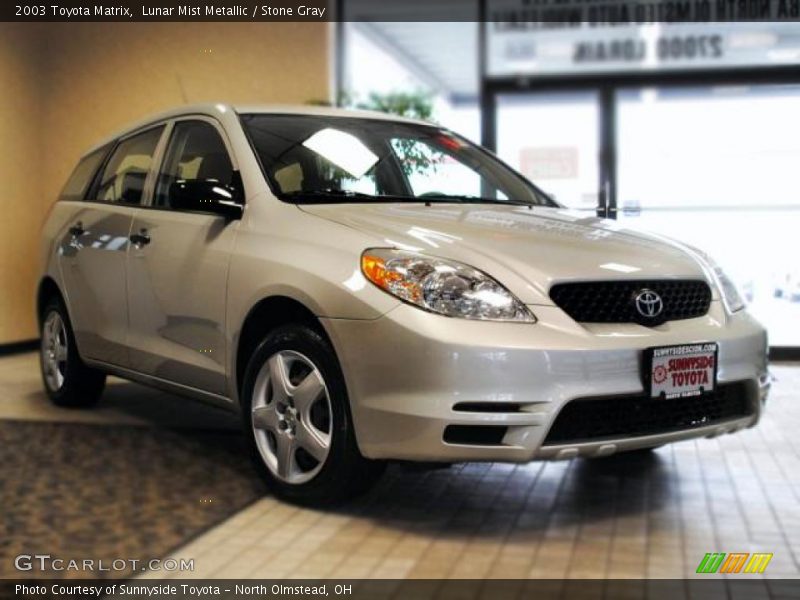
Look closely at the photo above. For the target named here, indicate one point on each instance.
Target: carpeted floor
(82, 491)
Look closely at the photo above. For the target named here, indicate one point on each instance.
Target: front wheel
(297, 417)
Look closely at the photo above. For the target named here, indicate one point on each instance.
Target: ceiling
(426, 47)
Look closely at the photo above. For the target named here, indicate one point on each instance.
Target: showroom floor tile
(620, 517)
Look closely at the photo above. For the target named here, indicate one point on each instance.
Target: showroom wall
(66, 87)
(20, 155)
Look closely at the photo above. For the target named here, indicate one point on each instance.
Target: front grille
(594, 419)
(615, 301)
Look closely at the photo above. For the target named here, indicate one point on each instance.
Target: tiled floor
(626, 516)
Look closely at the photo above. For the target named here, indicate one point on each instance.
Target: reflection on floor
(624, 516)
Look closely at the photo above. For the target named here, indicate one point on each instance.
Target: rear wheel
(297, 417)
(67, 380)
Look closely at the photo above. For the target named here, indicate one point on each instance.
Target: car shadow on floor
(495, 501)
(133, 404)
(169, 410)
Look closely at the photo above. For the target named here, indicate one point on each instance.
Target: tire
(300, 430)
(67, 380)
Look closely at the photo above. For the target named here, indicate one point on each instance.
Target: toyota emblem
(648, 303)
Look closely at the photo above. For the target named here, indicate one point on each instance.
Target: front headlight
(727, 289)
(442, 286)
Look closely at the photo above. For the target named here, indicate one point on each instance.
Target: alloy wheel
(292, 417)
(54, 351)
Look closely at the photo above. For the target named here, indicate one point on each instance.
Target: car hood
(526, 249)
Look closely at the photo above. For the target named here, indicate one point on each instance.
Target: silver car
(363, 287)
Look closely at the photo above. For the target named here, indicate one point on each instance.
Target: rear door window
(125, 173)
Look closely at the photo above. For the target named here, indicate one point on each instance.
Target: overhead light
(342, 149)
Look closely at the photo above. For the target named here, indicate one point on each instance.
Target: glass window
(429, 170)
(125, 174)
(329, 159)
(81, 177)
(722, 176)
(196, 152)
(553, 139)
(377, 69)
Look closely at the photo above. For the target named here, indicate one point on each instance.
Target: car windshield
(323, 159)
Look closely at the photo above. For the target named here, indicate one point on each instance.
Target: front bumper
(412, 374)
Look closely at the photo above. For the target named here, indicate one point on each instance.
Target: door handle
(140, 239)
(77, 230)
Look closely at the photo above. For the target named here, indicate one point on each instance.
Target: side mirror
(207, 195)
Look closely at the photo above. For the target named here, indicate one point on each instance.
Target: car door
(94, 249)
(178, 270)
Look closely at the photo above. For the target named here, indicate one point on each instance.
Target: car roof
(220, 109)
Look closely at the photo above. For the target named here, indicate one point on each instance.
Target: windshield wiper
(329, 196)
(343, 196)
(471, 199)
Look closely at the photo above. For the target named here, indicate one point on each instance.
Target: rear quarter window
(82, 175)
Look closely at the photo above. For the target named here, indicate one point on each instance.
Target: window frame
(91, 190)
(160, 157)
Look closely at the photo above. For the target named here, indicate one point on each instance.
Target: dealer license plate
(681, 371)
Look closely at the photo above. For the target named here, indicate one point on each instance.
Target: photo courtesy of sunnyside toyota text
(400, 299)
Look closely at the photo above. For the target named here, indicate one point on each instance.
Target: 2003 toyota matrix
(364, 287)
